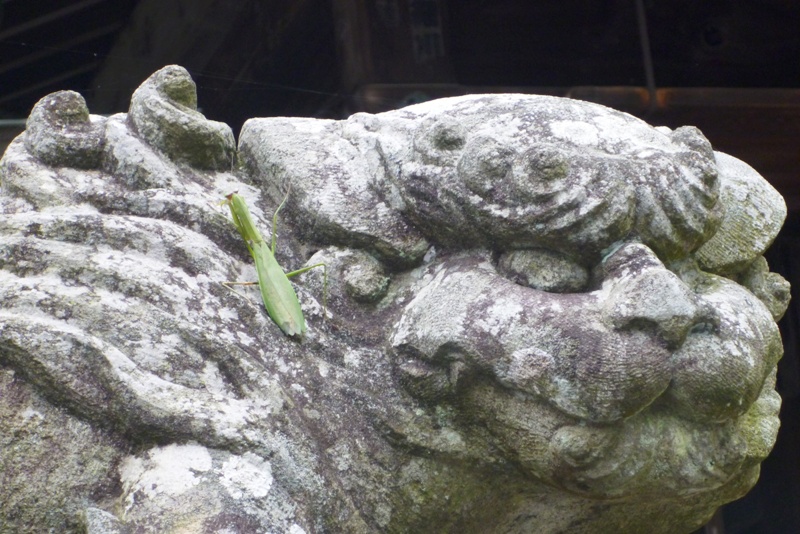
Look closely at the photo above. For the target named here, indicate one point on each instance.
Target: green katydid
(277, 292)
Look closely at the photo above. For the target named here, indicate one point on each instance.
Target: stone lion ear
(699, 158)
(753, 215)
(692, 138)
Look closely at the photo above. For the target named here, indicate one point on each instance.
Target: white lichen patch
(168, 471)
(424, 307)
(246, 476)
(30, 413)
(528, 368)
(352, 359)
(500, 316)
(213, 381)
(582, 133)
(340, 455)
(245, 339)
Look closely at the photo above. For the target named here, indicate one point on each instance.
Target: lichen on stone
(537, 315)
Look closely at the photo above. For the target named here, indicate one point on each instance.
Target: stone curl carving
(543, 315)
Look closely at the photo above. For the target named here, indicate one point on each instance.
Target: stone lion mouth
(583, 364)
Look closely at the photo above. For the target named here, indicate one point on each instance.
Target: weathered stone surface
(164, 114)
(770, 288)
(60, 132)
(51, 463)
(537, 317)
(544, 269)
(754, 212)
(326, 170)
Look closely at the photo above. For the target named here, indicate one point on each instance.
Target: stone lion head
(540, 314)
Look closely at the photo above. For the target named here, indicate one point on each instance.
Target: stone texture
(544, 269)
(60, 132)
(164, 113)
(754, 211)
(51, 463)
(538, 315)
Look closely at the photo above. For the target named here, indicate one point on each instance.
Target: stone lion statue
(539, 315)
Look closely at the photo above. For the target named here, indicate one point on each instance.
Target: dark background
(730, 67)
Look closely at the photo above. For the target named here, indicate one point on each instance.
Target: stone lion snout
(645, 295)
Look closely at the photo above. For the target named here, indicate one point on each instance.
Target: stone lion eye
(447, 137)
(484, 165)
(544, 163)
(440, 142)
(540, 172)
(545, 270)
